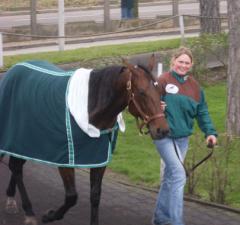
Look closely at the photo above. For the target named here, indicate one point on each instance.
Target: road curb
(186, 197)
(212, 204)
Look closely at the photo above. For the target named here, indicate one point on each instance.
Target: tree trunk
(208, 10)
(233, 114)
(135, 8)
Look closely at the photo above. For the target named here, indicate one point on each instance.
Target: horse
(110, 91)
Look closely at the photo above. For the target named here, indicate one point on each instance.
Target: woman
(184, 102)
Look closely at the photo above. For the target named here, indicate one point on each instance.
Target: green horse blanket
(35, 122)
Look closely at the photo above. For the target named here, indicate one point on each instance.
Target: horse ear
(127, 64)
(151, 62)
(124, 62)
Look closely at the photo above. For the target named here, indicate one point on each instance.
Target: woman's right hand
(163, 105)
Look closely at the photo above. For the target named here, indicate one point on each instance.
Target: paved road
(120, 205)
(146, 11)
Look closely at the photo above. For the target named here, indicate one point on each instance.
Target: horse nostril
(165, 132)
(162, 132)
(159, 130)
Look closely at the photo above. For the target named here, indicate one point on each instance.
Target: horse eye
(141, 92)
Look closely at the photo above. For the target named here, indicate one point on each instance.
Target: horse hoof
(49, 216)
(30, 220)
(11, 206)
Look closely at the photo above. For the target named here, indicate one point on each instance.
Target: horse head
(144, 99)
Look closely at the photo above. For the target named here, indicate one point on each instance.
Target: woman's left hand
(211, 140)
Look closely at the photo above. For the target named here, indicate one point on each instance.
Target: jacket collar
(180, 78)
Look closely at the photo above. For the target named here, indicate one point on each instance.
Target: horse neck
(107, 101)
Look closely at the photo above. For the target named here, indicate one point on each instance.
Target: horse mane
(101, 88)
(147, 71)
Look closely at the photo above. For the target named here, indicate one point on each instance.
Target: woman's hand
(211, 140)
(163, 105)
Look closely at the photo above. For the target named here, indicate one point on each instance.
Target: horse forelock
(101, 88)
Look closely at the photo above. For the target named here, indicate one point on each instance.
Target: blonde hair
(180, 51)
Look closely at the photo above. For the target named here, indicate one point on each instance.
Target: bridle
(146, 119)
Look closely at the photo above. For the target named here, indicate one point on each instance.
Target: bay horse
(110, 91)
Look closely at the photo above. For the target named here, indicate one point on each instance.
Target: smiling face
(182, 64)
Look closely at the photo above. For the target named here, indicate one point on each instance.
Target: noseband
(146, 119)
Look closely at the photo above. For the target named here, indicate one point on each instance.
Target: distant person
(127, 9)
(185, 102)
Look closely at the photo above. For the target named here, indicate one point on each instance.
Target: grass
(216, 97)
(135, 155)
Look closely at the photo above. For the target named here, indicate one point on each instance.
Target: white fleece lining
(77, 101)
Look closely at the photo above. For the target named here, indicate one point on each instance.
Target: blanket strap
(110, 130)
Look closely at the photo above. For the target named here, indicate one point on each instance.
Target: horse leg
(1, 157)
(96, 175)
(68, 177)
(11, 204)
(16, 167)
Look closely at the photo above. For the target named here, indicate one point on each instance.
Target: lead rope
(188, 172)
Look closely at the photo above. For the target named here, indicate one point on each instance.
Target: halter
(146, 119)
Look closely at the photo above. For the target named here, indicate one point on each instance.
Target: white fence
(61, 35)
(61, 38)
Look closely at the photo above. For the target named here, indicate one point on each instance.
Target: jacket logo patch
(171, 88)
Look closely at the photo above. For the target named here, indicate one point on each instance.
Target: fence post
(1, 50)
(159, 69)
(181, 25)
(61, 24)
(106, 15)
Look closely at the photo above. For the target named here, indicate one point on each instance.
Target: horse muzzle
(158, 133)
(156, 126)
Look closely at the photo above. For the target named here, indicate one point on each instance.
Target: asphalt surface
(121, 204)
(147, 10)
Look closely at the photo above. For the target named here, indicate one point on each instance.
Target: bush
(209, 52)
